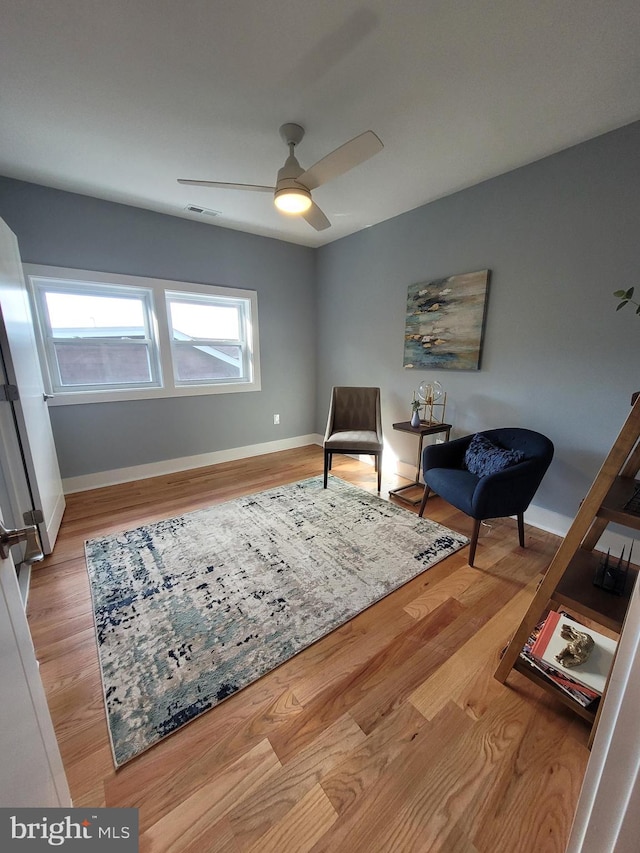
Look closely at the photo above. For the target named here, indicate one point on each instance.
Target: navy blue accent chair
(504, 493)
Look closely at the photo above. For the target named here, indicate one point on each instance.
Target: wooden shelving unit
(538, 678)
(575, 591)
(568, 582)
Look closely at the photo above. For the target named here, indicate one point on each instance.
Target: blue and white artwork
(445, 322)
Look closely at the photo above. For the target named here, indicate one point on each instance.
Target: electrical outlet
(276, 419)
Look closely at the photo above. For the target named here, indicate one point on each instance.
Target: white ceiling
(118, 98)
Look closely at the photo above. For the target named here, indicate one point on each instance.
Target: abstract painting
(445, 322)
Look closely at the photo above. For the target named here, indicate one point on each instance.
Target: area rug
(192, 609)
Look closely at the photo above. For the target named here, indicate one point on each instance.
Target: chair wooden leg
(424, 501)
(521, 528)
(379, 469)
(327, 457)
(474, 540)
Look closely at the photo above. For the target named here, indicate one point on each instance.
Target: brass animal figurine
(578, 648)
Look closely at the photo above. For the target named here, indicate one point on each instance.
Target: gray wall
(559, 236)
(68, 230)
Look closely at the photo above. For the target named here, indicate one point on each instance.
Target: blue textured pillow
(483, 457)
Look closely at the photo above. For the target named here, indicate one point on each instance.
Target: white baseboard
(84, 482)
(549, 521)
(554, 522)
(24, 581)
(406, 470)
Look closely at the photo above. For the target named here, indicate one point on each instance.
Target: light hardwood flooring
(388, 735)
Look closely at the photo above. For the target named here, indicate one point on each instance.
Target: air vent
(202, 211)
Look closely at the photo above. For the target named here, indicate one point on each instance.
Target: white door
(31, 771)
(30, 412)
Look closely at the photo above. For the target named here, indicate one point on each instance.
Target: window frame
(244, 310)
(157, 289)
(49, 339)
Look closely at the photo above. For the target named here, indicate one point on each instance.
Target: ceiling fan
(292, 192)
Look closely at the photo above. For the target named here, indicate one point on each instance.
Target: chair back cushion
(355, 409)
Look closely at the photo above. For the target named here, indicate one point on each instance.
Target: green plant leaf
(620, 293)
(622, 304)
(629, 293)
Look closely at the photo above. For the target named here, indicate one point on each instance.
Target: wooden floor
(390, 734)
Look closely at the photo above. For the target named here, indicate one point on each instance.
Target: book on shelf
(582, 695)
(591, 674)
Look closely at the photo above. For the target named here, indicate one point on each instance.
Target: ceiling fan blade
(252, 187)
(351, 154)
(316, 218)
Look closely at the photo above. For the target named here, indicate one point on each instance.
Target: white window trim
(47, 339)
(204, 343)
(158, 288)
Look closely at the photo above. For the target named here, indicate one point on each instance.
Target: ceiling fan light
(292, 200)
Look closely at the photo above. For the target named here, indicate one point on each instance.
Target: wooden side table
(420, 432)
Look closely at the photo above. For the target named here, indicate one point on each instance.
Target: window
(208, 338)
(97, 336)
(108, 337)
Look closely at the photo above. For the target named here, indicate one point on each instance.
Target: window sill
(79, 398)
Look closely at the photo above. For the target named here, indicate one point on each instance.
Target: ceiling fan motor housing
(291, 196)
(292, 135)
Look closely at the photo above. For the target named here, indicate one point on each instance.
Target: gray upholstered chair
(354, 426)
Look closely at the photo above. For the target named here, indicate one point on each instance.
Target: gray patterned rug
(192, 609)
